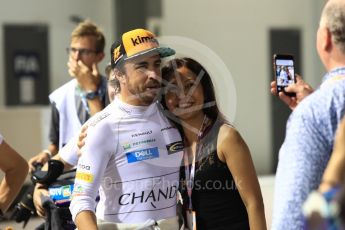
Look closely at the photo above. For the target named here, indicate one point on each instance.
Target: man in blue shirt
(311, 127)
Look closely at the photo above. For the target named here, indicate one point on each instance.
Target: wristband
(90, 95)
(48, 152)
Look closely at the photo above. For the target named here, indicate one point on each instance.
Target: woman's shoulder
(227, 131)
(229, 139)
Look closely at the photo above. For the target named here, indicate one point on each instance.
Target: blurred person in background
(73, 103)
(15, 168)
(113, 83)
(70, 148)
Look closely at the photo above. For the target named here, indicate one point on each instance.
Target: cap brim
(163, 52)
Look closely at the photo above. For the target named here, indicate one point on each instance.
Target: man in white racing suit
(132, 153)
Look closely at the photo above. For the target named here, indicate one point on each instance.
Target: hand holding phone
(284, 72)
(301, 89)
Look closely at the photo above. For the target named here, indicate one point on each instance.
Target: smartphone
(284, 72)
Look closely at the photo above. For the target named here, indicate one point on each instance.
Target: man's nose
(156, 75)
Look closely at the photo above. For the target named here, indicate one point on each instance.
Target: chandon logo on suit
(148, 196)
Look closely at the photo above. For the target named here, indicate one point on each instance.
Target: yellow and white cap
(135, 43)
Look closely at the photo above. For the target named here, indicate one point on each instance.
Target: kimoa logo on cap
(138, 40)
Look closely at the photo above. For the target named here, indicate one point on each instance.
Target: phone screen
(284, 71)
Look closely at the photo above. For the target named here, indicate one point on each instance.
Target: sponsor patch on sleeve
(78, 190)
(175, 147)
(94, 120)
(87, 177)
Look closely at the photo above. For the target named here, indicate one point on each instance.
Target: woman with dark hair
(219, 185)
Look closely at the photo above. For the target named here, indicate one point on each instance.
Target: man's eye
(83, 51)
(141, 66)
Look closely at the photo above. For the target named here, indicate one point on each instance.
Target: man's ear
(120, 76)
(327, 44)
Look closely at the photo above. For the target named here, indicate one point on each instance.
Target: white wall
(56, 15)
(26, 128)
(238, 31)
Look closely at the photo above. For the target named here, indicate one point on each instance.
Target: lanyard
(189, 177)
(190, 173)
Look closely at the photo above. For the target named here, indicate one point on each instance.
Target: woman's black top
(215, 198)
